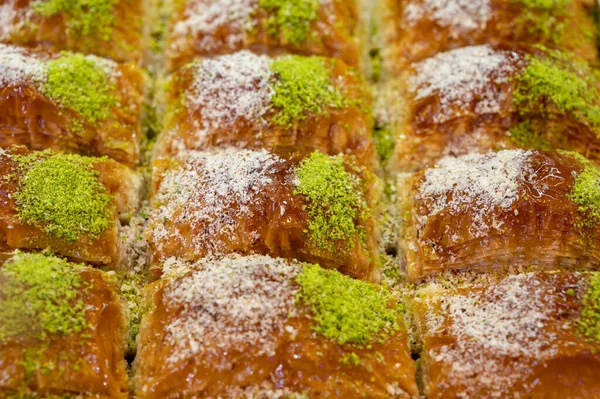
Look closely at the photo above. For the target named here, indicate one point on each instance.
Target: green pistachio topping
(81, 83)
(335, 202)
(304, 85)
(526, 136)
(543, 4)
(544, 17)
(40, 295)
(351, 359)
(589, 319)
(347, 310)
(62, 195)
(384, 144)
(91, 18)
(586, 191)
(290, 18)
(558, 83)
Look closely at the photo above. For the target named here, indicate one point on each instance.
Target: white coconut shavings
(231, 87)
(17, 67)
(211, 190)
(209, 17)
(458, 15)
(507, 321)
(231, 302)
(460, 77)
(479, 182)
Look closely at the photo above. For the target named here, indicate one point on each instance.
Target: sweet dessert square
(530, 335)
(417, 29)
(207, 28)
(318, 209)
(482, 98)
(107, 28)
(71, 205)
(62, 331)
(70, 102)
(291, 104)
(517, 208)
(258, 326)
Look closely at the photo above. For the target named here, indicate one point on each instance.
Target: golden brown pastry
(416, 29)
(108, 28)
(70, 102)
(290, 104)
(263, 327)
(480, 98)
(207, 28)
(62, 331)
(532, 335)
(514, 207)
(69, 204)
(319, 209)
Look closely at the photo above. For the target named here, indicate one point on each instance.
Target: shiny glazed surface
(333, 34)
(304, 363)
(539, 229)
(92, 367)
(27, 117)
(32, 30)
(16, 234)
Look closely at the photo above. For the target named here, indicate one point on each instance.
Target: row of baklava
(248, 145)
(248, 182)
(488, 130)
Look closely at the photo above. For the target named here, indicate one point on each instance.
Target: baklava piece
(263, 327)
(207, 28)
(107, 28)
(70, 102)
(416, 29)
(534, 335)
(62, 331)
(69, 204)
(515, 207)
(290, 104)
(319, 209)
(477, 99)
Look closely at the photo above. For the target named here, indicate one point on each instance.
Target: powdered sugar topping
(462, 77)
(230, 303)
(18, 67)
(480, 182)
(491, 323)
(209, 192)
(208, 17)
(231, 87)
(458, 15)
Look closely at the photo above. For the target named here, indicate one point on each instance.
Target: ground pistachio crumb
(586, 191)
(62, 195)
(41, 295)
(543, 4)
(351, 359)
(92, 18)
(384, 144)
(558, 82)
(335, 203)
(544, 17)
(81, 83)
(589, 318)
(347, 310)
(526, 136)
(290, 18)
(304, 84)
